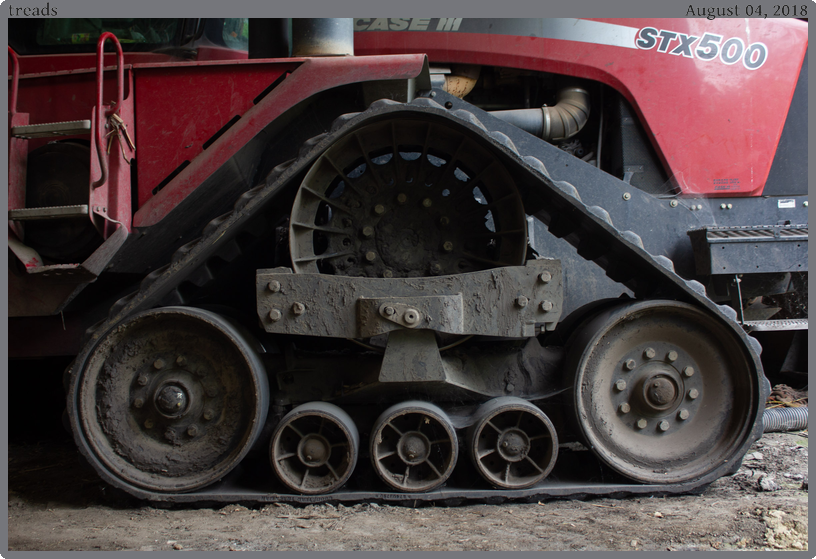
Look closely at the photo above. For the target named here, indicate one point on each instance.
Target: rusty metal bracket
(513, 301)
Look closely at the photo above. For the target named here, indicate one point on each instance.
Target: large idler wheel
(407, 198)
(414, 447)
(170, 400)
(314, 448)
(663, 392)
(512, 443)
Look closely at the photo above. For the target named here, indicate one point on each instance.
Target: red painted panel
(715, 125)
(178, 108)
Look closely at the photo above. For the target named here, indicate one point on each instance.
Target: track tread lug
(341, 121)
(601, 213)
(665, 262)
(567, 189)
(469, 117)
(633, 238)
(504, 140)
(536, 164)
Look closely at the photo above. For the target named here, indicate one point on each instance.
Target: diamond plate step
(52, 129)
(776, 325)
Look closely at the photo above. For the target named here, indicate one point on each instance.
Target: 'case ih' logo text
(407, 24)
(709, 47)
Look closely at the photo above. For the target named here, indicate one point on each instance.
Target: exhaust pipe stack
(560, 122)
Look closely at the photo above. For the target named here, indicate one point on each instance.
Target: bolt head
(624, 408)
(192, 430)
(649, 353)
(510, 387)
(181, 361)
(693, 393)
(672, 356)
(159, 363)
(169, 434)
(436, 268)
(522, 301)
(411, 316)
(212, 392)
(142, 380)
(274, 286)
(627, 196)
(401, 198)
(547, 306)
(688, 372)
(630, 365)
(729, 206)
(275, 315)
(805, 204)
(389, 311)
(379, 209)
(683, 414)
(388, 274)
(208, 415)
(722, 206)
(620, 385)
(663, 426)
(447, 246)
(298, 308)
(545, 277)
(427, 203)
(138, 403)
(642, 423)
(148, 423)
(673, 203)
(368, 231)
(371, 256)
(444, 221)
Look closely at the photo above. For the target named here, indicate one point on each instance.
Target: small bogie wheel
(170, 400)
(407, 198)
(314, 448)
(663, 392)
(414, 447)
(513, 444)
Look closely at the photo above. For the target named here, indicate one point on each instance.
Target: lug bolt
(138, 403)
(683, 414)
(624, 408)
(671, 356)
(663, 426)
(379, 209)
(371, 256)
(626, 196)
(388, 274)
(546, 306)
(510, 387)
(142, 380)
(368, 231)
(522, 301)
(427, 203)
(148, 423)
(642, 423)
(169, 434)
(649, 353)
(444, 221)
(693, 393)
(208, 415)
(181, 361)
(447, 246)
(436, 268)
(274, 315)
(273, 286)
(630, 365)
(389, 311)
(401, 198)
(192, 430)
(159, 363)
(298, 308)
(688, 371)
(620, 384)
(545, 277)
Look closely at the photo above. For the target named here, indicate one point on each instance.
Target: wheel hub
(414, 448)
(513, 445)
(172, 400)
(659, 392)
(314, 450)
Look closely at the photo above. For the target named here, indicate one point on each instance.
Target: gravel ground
(56, 502)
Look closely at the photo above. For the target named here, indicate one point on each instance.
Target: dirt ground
(56, 502)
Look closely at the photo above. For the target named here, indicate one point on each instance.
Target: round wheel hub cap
(172, 400)
(314, 450)
(514, 445)
(660, 392)
(414, 448)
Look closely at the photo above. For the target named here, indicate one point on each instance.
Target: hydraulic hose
(779, 420)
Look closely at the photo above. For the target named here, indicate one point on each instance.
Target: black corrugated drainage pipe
(560, 122)
(778, 420)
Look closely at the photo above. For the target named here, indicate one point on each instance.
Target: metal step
(52, 129)
(52, 212)
(750, 250)
(776, 325)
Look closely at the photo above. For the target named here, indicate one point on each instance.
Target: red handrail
(15, 79)
(101, 118)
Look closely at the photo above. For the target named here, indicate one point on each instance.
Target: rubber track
(590, 230)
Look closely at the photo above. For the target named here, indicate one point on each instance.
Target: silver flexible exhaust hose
(779, 420)
(560, 122)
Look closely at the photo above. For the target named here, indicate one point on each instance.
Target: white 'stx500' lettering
(709, 47)
(407, 24)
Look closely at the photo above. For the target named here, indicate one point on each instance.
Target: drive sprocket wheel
(407, 198)
(170, 400)
(662, 391)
